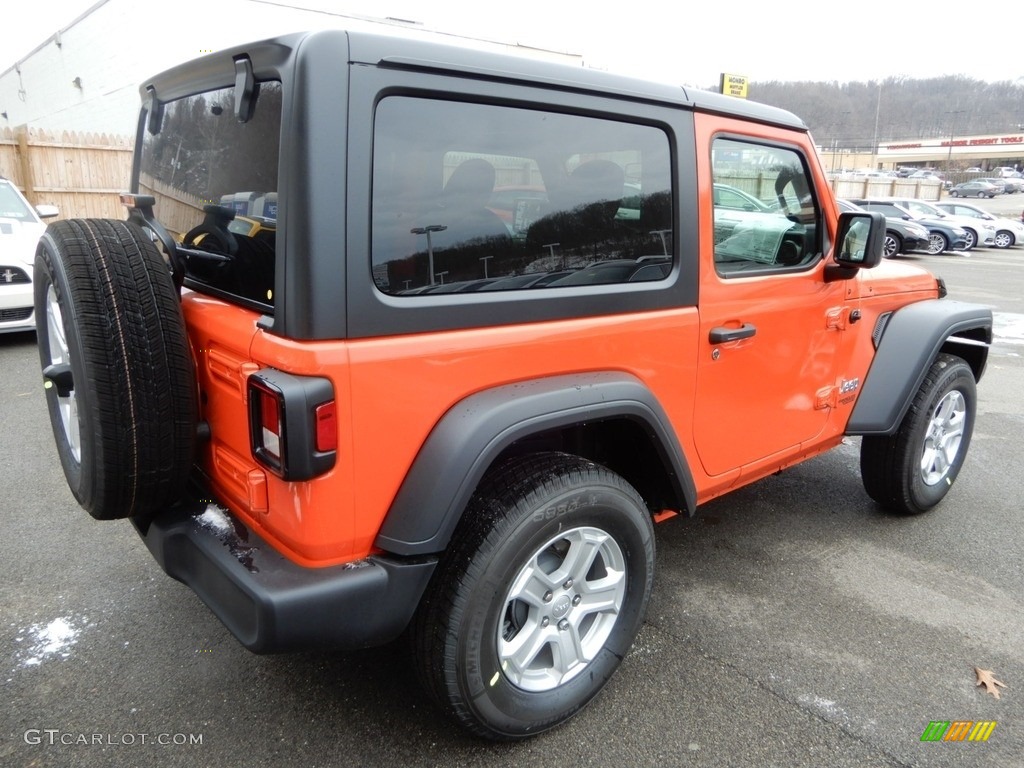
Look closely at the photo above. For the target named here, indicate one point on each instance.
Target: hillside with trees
(843, 115)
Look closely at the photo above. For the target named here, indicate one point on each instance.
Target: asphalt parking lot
(792, 623)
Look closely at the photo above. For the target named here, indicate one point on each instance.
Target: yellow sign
(734, 85)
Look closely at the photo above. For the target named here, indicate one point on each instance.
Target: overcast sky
(681, 42)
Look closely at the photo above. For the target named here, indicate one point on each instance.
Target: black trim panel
(911, 339)
(471, 435)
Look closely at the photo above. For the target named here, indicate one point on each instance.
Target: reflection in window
(471, 197)
(215, 184)
(765, 215)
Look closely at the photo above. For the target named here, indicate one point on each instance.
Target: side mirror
(47, 211)
(860, 239)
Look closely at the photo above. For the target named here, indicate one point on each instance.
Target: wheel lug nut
(545, 621)
(568, 584)
(563, 625)
(547, 596)
(576, 600)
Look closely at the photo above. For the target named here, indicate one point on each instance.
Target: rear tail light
(293, 425)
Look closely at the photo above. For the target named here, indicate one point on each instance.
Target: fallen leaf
(986, 679)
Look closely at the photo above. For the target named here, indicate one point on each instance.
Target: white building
(85, 77)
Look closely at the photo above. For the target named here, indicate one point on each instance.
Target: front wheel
(1004, 239)
(538, 598)
(954, 193)
(911, 471)
(891, 245)
(981, 195)
(937, 243)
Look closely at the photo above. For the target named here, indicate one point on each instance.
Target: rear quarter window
(479, 198)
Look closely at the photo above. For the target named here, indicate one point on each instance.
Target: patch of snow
(1008, 327)
(56, 638)
(216, 518)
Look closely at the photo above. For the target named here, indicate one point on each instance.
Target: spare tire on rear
(117, 369)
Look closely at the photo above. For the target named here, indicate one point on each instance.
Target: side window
(473, 197)
(766, 216)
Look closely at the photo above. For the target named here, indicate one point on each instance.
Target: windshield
(12, 206)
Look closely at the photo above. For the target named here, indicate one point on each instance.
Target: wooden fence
(82, 174)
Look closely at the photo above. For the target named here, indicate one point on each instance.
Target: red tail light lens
(293, 424)
(270, 417)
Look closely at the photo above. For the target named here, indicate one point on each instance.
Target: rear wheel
(971, 237)
(911, 471)
(982, 194)
(116, 366)
(538, 598)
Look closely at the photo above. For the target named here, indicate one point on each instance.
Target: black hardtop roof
(436, 53)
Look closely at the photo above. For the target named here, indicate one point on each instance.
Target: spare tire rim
(67, 405)
(943, 437)
(561, 609)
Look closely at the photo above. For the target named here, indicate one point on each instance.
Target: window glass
(473, 197)
(765, 212)
(215, 183)
(12, 206)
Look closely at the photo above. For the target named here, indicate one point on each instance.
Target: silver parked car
(1008, 231)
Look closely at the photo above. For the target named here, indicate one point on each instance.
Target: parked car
(942, 235)
(976, 188)
(1008, 231)
(901, 236)
(21, 226)
(1017, 180)
(1005, 186)
(978, 232)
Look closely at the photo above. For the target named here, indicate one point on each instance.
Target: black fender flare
(473, 433)
(906, 343)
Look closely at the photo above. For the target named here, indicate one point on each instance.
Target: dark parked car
(901, 236)
(977, 188)
(942, 235)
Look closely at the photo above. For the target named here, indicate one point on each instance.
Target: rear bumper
(271, 604)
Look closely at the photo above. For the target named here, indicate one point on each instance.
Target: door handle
(721, 335)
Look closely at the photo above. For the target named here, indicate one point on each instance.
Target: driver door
(769, 321)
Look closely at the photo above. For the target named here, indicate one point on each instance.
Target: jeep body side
(385, 426)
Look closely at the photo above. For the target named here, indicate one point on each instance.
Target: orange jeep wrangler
(405, 339)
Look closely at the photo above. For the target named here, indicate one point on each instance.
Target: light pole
(430, 247)
(952, 133)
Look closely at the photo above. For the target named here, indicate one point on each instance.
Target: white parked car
(1008, 231)
(21, 226)
(979, 231)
